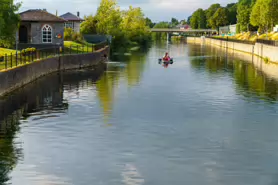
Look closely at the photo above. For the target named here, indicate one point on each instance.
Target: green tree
(149, 22)
(183, 22)
(244, 8)
(220, 18)
(264, 14)
(134, 25)
(198, 19)
(9, 22)
(210, 12)
(232, 9)
(108, 18)
(89, 26)
(174, 22)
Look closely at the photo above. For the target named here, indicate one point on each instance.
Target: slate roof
(40, 15)
(71, 17)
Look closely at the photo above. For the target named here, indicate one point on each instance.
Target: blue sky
(157, 10)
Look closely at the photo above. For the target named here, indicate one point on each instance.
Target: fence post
(16, 59)
(87, 49)
(11, 60)
(6, 61)
(77, 49)
(20, 56)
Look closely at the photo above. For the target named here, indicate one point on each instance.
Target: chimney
(78, 14)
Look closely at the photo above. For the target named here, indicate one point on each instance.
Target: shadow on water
(41, 97)
(249, 81)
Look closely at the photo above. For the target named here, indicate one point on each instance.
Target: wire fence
(30, 55)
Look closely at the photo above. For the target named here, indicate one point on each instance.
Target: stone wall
(36, 33)
(20, 76)
(261, 50)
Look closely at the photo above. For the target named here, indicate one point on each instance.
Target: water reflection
(39, 100)
(250, 82)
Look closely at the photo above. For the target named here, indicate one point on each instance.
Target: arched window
(46, 34)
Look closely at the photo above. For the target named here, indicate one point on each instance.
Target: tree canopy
(198, 19)
(9, 21)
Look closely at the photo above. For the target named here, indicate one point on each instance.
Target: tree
(108, 18)
(244, 8)
(183, 22)
(220, 18)
(149, 23)
(188, 19)
(89, 26)
(9, 21)
(174, 22)
(134, 25)
(198, 19)
(264, 14)
(210, 12)
(232, 9)
(158, 36)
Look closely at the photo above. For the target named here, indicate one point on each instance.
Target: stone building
(73, 21)
(39, 28)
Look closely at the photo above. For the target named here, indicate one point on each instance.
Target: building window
(69, 25)
(46, 34)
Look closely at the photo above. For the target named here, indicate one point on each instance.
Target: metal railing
(235, 40)
(268, 42)
(24, 57)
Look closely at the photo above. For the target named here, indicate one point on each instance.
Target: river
(208, 118)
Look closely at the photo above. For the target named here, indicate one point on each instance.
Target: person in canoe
(166, 57)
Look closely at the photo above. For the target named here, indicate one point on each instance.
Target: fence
(235, 40)
(24, 57)
(268, 42)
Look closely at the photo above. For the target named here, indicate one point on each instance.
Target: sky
(156, 10)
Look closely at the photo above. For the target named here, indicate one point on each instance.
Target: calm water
(207, 119)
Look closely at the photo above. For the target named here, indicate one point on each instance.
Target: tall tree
(232, 9)
(244, 8)
(174, 22)
(220, 18)
(198, 19)
(210, 12)
(188, 19)
(149, 22)
(89, 26)
(264, 14)
(108, 18)
(9, 21)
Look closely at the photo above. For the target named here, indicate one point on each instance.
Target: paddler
(166, 57)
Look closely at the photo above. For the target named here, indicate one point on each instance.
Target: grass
(70, 48)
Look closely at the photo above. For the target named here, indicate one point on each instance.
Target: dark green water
(207, 119)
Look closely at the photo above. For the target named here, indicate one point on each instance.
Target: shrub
(68, 34)
(77, 37)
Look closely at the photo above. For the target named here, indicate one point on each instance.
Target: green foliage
(89, 26)
(77, 37)
(232, 9)
(220, 18)
(28, 50)
(174, 22)
(149, 22)
(9, 21)
(198, 19)
(243, 14)
(210, 12)
(264, 14)
(68, 33)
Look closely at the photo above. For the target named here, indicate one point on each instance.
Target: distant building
(39, 27)
(73, 21)
(227, 30)
(183, 27)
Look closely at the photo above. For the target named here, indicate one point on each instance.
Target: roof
(71, 17)
(40, 15)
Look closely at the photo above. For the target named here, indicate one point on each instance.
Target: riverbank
(267, 52)
(17, 77)
(246, 52)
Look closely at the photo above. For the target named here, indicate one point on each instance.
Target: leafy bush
(28, 50)
(77, 37)
(68, 34)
